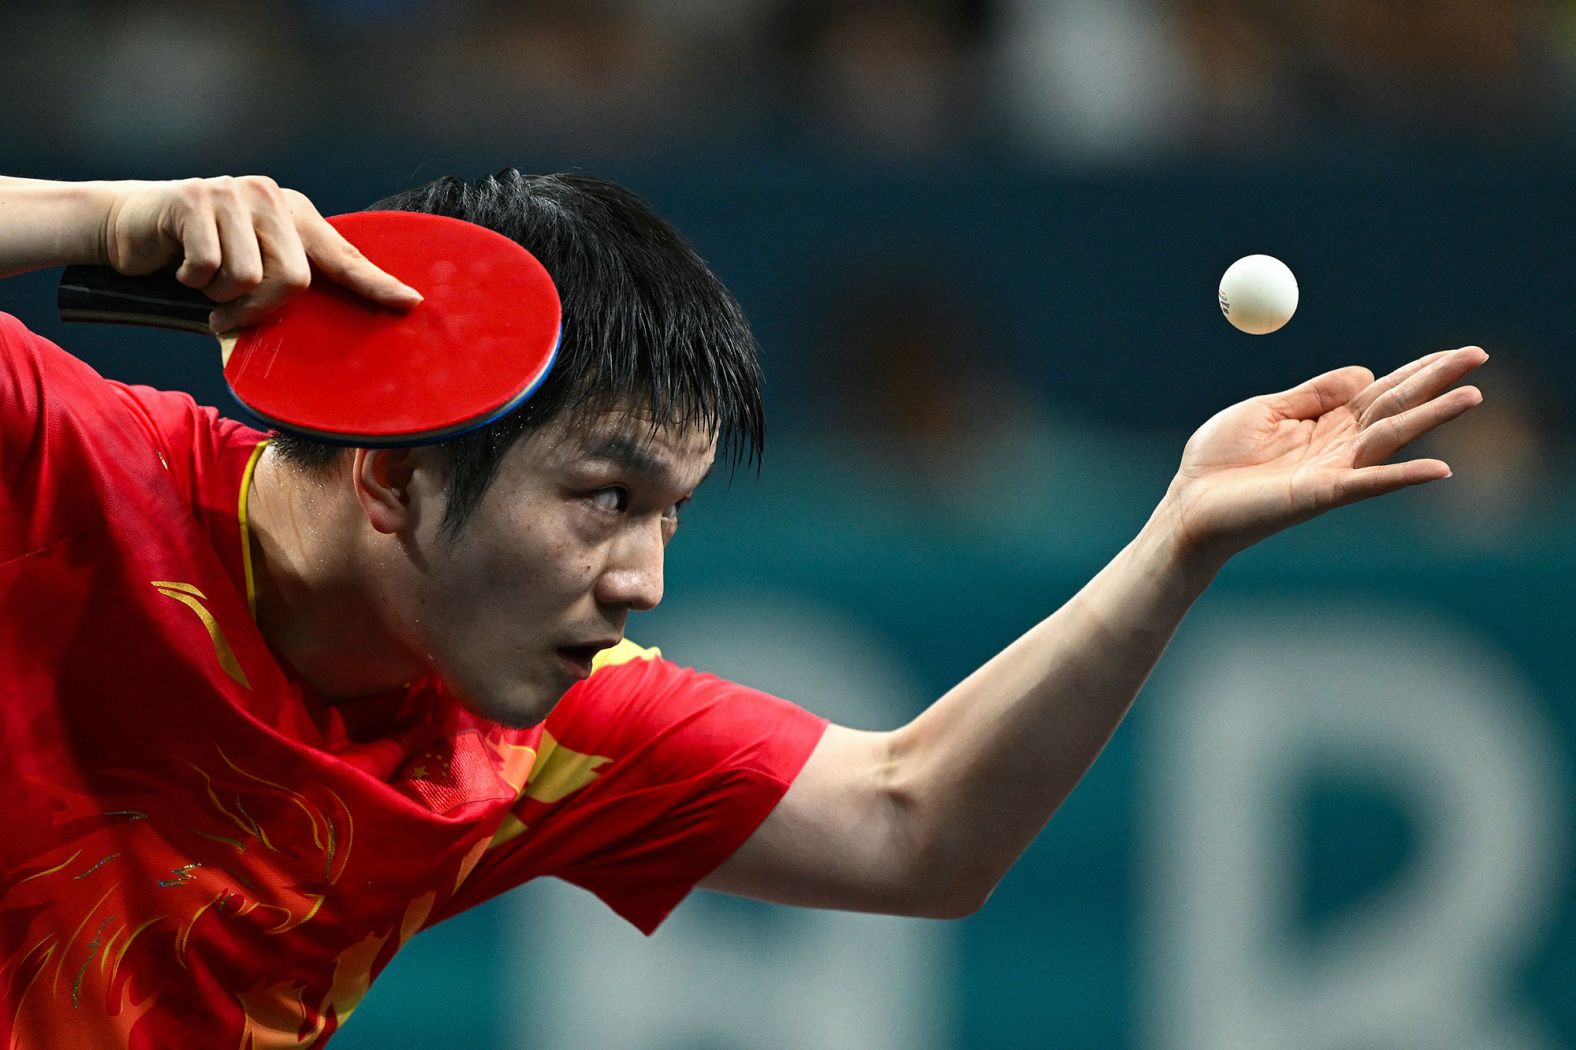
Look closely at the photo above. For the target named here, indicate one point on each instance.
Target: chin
(519, 708)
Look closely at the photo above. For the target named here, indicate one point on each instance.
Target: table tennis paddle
(335, 367)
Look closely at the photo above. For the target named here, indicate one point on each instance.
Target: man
(276, 706)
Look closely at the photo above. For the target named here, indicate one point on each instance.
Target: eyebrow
(637, 458)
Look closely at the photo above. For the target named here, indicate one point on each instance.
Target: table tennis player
(272, 707)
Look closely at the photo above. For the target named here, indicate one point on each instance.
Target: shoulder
(61, 423)
(46, 388)
(637, 702)
(205, 453)
(36, 375)
(67, 443)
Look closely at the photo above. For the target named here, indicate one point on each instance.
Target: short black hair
(647, 326)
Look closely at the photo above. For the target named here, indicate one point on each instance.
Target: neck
(314, 606)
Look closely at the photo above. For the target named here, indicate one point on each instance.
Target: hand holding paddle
(244, 243)
(334, 366)
(362, 358)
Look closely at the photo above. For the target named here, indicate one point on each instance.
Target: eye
(614, 500)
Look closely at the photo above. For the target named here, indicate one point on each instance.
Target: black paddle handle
(99, 294)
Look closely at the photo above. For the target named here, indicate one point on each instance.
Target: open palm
(1272, 461)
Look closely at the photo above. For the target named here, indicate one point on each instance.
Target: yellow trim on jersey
(623, 653)
(221, 645)
(556, 772)
(177, 585)
(246, 533)
(510, 829)
(560, 771)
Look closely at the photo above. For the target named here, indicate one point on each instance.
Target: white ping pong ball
(1258, 294)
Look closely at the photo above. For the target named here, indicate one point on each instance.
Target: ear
(392, 484)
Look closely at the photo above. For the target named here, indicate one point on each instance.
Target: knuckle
(246, 276)
(294, 277)
(204, 255)
(1393, 401)
(198, 267)
(194, 194)
(258, 184)
(298, 202)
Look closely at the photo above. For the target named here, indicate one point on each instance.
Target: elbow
(945, 885)
(940, 873)
(956, 898)
(957, 906)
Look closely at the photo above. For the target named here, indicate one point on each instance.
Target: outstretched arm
(245, 242)
(925, 819)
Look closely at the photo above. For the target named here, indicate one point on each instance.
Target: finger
(285, 267)
(1440, 374)
(1389, 382)
(242, 267)
(342, 262)
(1322, 393)
(1385, 438)
(1367, 482)
(263, 300)
(201, 253)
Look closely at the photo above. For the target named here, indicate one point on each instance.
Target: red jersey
(198, 850)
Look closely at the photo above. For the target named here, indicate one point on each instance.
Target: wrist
(96, 204)
(1176, 551)
(52, 223)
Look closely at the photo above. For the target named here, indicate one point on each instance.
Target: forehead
(678, 453)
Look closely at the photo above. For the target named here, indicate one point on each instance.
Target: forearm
(983, 769)
(924, 820)
(50, 223)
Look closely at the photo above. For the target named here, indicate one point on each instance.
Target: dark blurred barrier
(1093, 295)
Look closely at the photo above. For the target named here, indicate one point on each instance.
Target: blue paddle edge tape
(409, 440)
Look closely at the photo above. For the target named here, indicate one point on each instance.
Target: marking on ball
(1258, 294)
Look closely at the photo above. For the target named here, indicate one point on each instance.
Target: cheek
(529, 566)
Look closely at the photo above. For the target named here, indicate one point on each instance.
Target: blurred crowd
(1072, 81)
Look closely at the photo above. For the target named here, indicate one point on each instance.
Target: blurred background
(980, 241)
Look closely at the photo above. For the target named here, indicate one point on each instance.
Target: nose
(633, 576)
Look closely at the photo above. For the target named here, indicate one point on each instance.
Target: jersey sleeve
(63, 426)
(199, 448)
(647, 777)
(59, 422)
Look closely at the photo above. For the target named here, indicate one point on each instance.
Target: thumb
(1322, 393)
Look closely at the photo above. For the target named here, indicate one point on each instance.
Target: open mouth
(579, 657)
